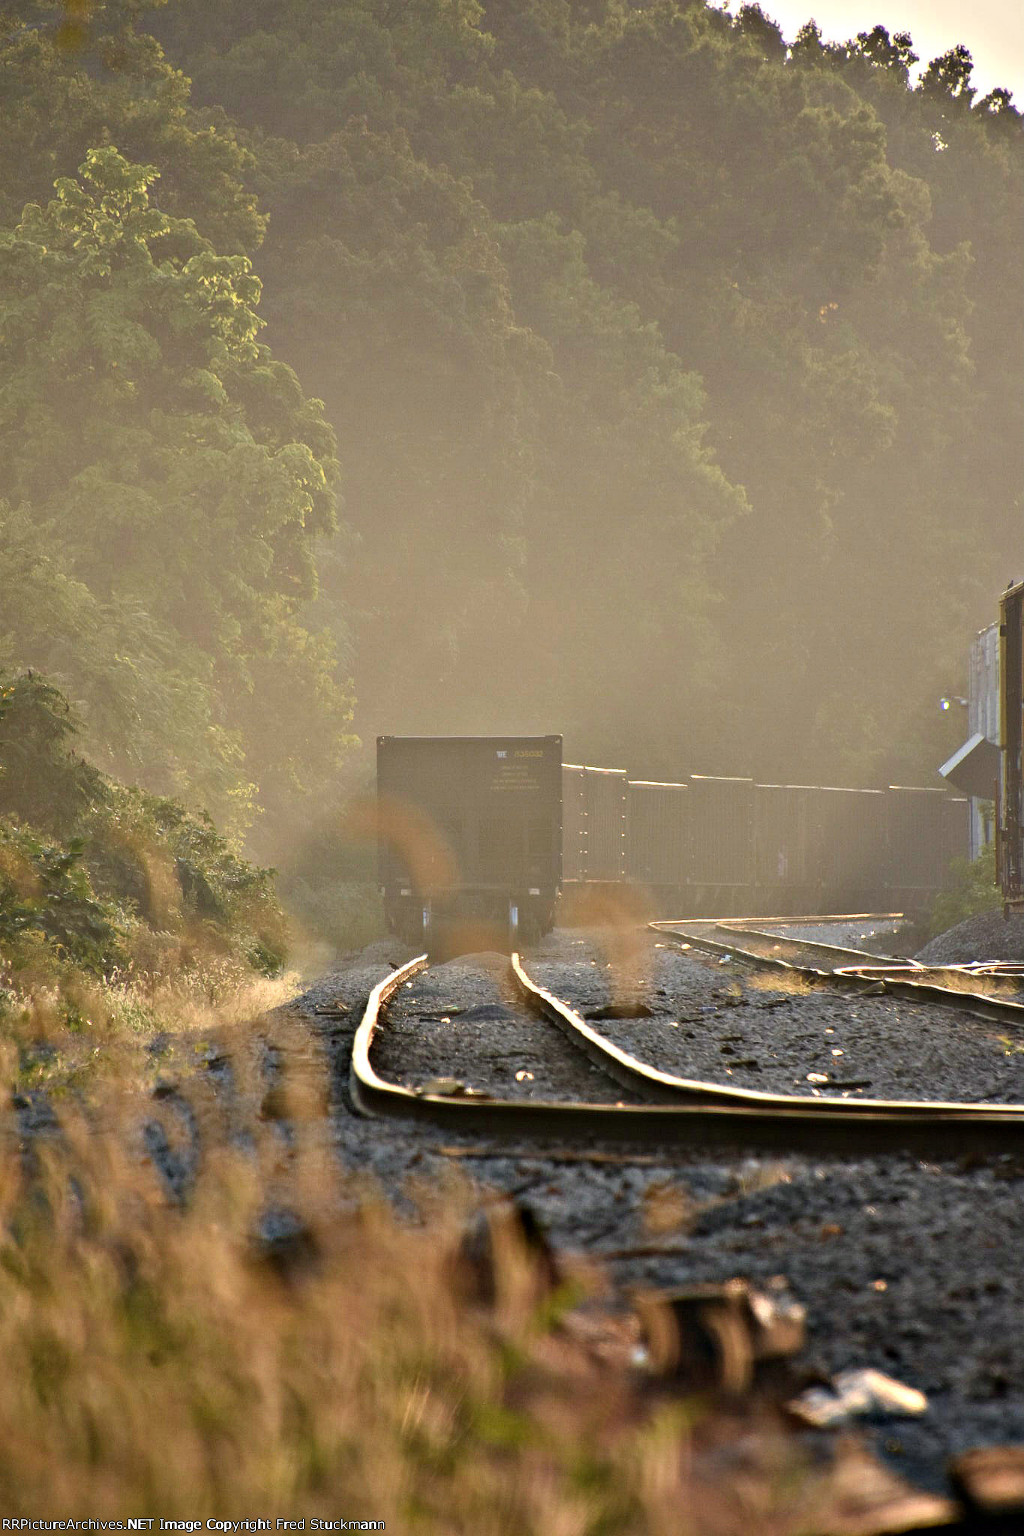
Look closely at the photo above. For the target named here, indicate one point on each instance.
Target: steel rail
(869, 976)
(867, 960)
(745, 928)
(697, 1114)
(834, 952)
(666, 1087)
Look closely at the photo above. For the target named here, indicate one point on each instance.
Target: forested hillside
(669, 374)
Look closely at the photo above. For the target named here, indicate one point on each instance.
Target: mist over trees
(672, 369)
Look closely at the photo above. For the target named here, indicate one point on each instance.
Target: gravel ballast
(986, 936)
(910, 1266)
(720, 1022)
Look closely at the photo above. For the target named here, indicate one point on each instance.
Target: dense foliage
(102, 879)
(972, 889)
(164, 480)
(702, 363)
(670, 363)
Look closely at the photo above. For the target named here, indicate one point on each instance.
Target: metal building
(974, 767)
(1010, 847)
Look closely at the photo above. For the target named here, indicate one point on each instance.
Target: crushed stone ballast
(684, 1111)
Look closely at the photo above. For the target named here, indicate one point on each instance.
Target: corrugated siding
(657, 834)
(721, 831)
(926, 829)
(853, 847)
(605, 797)
(573, 823)
(785, 834)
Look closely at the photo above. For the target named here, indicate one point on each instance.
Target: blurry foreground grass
(277, 1343)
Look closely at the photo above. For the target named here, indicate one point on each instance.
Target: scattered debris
(857, 1394)
(869, 1499)
(718, 1335)
(450, 1087)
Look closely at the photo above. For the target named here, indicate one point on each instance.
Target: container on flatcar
(595, 799)
(721, 843)
(658, 840)
(852, 853)
(1010, 836)
(926, 829)
(470, 830)
(786, 843)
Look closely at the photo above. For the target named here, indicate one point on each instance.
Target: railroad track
(856, 970)
(682, 1111)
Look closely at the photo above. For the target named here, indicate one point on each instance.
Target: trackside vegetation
(119, 910)
(260, 1351)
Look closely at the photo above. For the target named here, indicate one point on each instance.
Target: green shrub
(972, 889)
(179, 874)
(42, 780)
(101, 877)
(45, 890)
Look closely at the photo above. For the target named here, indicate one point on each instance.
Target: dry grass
(68, 1031)
(160, 1359)
(156, 1361)
(1004, 988)
(791, 983)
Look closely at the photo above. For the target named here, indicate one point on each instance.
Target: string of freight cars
(691, 1111)
(490, 830)
(725, 846)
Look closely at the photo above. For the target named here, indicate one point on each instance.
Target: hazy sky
(992, 29)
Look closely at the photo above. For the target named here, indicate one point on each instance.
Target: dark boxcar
(657, 838)
(595, 828)
(470, 828)
(852, 853)
(786, 843)
(721, 844)
(927, 828)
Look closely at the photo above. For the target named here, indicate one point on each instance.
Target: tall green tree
(169, 478)
(111, 84)
(655, 342)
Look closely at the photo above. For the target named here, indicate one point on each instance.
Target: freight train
(718, 847)
(490, 831)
